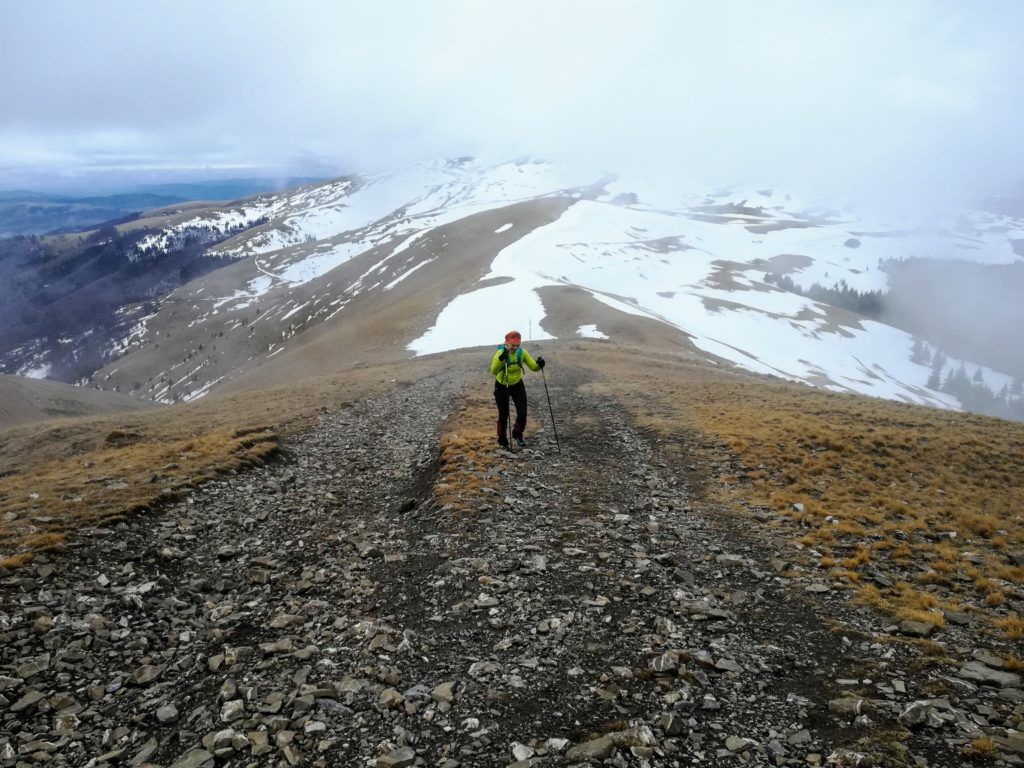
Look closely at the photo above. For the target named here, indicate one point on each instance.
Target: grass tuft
(1012, 627)
(981, 750)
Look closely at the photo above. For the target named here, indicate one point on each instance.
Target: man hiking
(507, 369)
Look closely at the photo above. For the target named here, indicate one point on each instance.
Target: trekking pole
(551, 410)
(508, 412)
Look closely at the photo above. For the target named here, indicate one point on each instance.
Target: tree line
(867, 303)
(972, 391)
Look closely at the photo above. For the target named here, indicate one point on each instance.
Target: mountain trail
(397, 591)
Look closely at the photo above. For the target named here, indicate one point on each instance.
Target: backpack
(519, 357)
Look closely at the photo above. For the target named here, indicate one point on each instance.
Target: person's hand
(540, 362)
(504, 354)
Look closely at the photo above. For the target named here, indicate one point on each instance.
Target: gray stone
(672, 724)
(65, 724)
(732, 561)
(232, 711)
(143, 755)
(847, 708)
(975, 670)
(728, 665)
(30, 699)
(280, 646)
(223, 738)
(6, 683)
(196, 758)
(443, 693)
(1012, 741)
(146, 674)
(400, 758)
(390, 698)
(666, 662)
(33, 667)
(240, 742)
(987, 658)
(595, 749)
(915, 714)
(737, 744)
(522, 752)
(917, 628)
(260, 742)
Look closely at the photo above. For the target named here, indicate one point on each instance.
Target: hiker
(508, 360)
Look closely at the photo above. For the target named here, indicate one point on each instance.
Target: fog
(915, 101)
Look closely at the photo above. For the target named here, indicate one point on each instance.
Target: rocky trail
(339, 607)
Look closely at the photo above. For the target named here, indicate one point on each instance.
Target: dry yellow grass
(864, 482)
(62, 475)
(467, 451)
(144, 461)
(981, 750)
(1012, 626)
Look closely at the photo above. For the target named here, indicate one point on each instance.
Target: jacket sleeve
(530, 362)
(496, 365)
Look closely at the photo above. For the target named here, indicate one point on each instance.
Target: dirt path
(357, 604)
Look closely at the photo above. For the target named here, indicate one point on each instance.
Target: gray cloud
(915, 100)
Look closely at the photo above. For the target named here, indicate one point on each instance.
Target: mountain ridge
(696, 263)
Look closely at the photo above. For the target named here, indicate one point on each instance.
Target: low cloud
(898, 103)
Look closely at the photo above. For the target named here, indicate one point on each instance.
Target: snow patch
(405, 274)
(483, 317)
(36, 371)
(590, 332)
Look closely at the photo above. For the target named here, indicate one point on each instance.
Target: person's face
(513, 344)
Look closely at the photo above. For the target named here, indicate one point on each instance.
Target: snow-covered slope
(702, 262)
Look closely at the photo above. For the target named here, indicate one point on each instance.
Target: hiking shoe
(503, 442)
(520, 442)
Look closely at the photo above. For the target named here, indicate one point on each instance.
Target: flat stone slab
(193, 759)
(400, 758)
(975, 670)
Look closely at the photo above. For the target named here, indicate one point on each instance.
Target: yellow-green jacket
(515, 366)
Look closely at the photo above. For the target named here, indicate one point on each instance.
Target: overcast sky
(908, 98)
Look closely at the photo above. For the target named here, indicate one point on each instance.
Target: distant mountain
(451, 254)
(25, 401)
(66, 302)
(35, 213)
(228, 189)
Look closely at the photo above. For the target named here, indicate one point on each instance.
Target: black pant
(518, 394)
